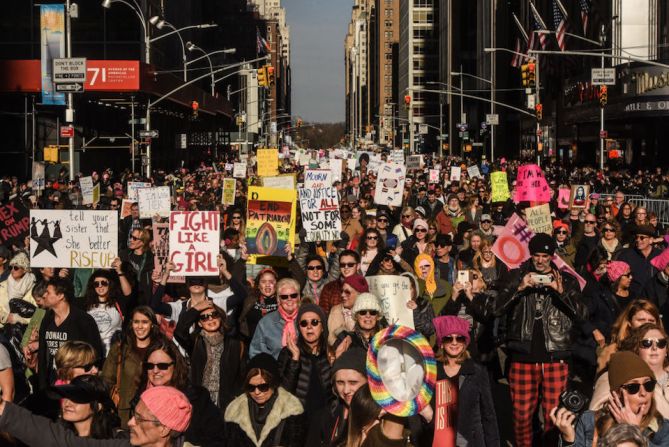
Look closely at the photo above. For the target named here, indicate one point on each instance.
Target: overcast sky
(317, 31)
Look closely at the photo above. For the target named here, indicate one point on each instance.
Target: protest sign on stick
(320, 213)
(154, 201)
(194, 242)
(456, 172)
(268, 162)
(14, 223)
(434, 176)
(86, 187)
(239, 170)
(539, 219)
(390, 185)
(39, 177)
(229, 191)
(270, 223)
(394, 292)
(133, 187)
(500, 187)
(161, 250)
(473, 172)
(578, 196)
(414, 162)
(563, 198)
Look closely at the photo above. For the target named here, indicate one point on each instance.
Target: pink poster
(531, 185)
(563, 198)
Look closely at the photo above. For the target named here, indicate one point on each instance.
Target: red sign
(66, 131)
(112, 75)
(603, 134)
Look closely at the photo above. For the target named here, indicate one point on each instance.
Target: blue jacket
(268, 335)
(585, 429)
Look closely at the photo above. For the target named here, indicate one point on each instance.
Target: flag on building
(262, 47)
(516, 59)
(560, 24)
(585, 11)
(537, 25)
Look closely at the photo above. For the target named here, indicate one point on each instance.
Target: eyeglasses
(648, 343)
(633, 388)
(348, 265)
(163, 366)
(372, 238)
(365, 313)
(312, 323)
(290, 296)
(209, 316)
(561, 232)
(87, 367)
(454, 338)
(609, 230)
(263, 388)
(591, 222)
(16, 267)
(100, 283)
(314, 267)
(420, 230)
(138, 418)
(236, 217)
(640, 238)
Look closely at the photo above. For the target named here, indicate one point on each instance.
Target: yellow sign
(268, 162)
(500, 187)
(96, 193)
(229, 189)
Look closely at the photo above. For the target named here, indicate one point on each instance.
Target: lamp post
(138, 11)
(190, 46)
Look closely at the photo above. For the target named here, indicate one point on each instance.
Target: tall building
(386, 34)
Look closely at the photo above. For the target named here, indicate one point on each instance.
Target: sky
(317, 31)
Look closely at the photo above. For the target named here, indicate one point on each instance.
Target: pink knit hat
(420, 223)
(450, 324)
(616, 269)
(661, 261)
(169, 406)
(358, 282)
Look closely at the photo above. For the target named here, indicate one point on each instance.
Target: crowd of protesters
(275, 355)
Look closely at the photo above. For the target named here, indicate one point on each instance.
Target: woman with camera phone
(631, 401)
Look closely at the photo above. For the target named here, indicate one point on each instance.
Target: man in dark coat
(639, 257)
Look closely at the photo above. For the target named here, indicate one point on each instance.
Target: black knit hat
(353, 358)
(310, 307)
(266, 362)
(542, 243)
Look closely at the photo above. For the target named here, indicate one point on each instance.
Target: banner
(133, 187)
(394, 292)
(279, 181)
(73, 238)
(239, 170)
(268, 162)
(317, 178)
(434, 176)
(194, 242)
(563, 198)
(539, 219)
(270, 222)
(456, 173)
(86, 186)
(500, 187)
(52, 43)
(14, 224)
(414, 161)
(473, 172)
(319, 207)
(390, 185)
(39, 178)
(578, 196)
(229, 191)
(161, 250)
(154, 201)
(531, 185)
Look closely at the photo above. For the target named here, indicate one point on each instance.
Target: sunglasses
(312, 323)
(372, 313)
(648, 343)
(486, 221)
(372, 238)
(387, 259)
(87, 367)
(290, 296)
(420, 230)
(100, 283)
(383, 219)
(163, 366)
(348, 264)
(263, 388)
(135, 238)
(561, 232)
(209, 316)
(16, 267)
(641, 238)
(452, 338)
(591, 222)
(315, 267)
(236, 217)
(633, 388)
(609, 230)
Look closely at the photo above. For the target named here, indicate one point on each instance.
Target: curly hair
(113, 295)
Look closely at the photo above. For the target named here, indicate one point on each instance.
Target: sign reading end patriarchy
(320, 213)
(194, 242)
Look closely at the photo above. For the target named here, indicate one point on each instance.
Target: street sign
(148, 134)
(66, 71)
(422, 129)
(603, 134)
(73, 87)
(492, 119)
(603, 76)
(137, 121)
(66, 131)
(531, 101)
(477, 144)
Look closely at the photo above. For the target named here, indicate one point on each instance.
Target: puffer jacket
(562, 313)
(297, 266)
(296, 375)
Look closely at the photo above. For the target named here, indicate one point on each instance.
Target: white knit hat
(20, 260)
(366, 301)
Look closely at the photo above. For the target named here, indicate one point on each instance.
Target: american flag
(262, 47)
(585, 11)
(515, 60)
(537, 25)
(560, 25)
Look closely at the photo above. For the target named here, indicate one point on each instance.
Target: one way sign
(74, 87)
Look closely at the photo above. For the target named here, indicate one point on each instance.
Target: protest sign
(414, 161)
(396, 156)
(319, 207)
(39, 178)
(96, 193)
(154, 201)
(14, 223)
(268, 162)
(229, 167)
(317, 178)
(194, 242)
(279, 181)
(500, 187)
(229, 191)
(579, 196)
(563, 198)
(390, 185)
(531, 185)
(270, 223)
(133, 187)
(126, 206)
(474, 172)
(73, 238)
(394, 292)
(456, 172)
(375, 163)
(539, 219)
(434, 176)
(239, 170)
(161, 250)
(511, 245)
(336, 169)
(86, 187)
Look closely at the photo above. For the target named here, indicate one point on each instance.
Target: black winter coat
(296, 375)
(656, 290)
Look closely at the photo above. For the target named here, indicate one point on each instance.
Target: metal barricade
(659, 206)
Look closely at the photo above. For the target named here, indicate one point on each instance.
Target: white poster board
(456, 172)
(154, 201)
(320, 213)
(474, 172)
(194, 242)
(133, 187)
(279, 182)
(336, 169)
(317, 178)
(390, 185)
(86, 186)
(394, 292)
(239, 170)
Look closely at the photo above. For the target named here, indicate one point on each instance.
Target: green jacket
(131, 372)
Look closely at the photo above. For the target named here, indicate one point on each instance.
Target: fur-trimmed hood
(285, 406)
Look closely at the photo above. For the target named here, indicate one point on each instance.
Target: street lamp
(190, 46)
(107, 4)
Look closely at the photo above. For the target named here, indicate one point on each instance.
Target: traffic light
(262, 77)
(407, 101)
(523, 75)
(531, 75)
(539, 109)
(299, 123)
(270, 75)
(195, 107)
(603, 95)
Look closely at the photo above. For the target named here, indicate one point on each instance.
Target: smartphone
(463, 276)
(543, 279)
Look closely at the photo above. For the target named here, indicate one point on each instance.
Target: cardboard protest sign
(126, 206)
(154, 201)
(270, 222)
(394, 292)
(396, 156)
(39, 178)
(229, 191)
(351, 164)
(319, 207)
(511, 245)
(86, 187)
(563, 198)
(473, 172)
(336, 169)
(73, 238)
(390, 185)
(14, 223)
(317, 178)
(194, 242)
(239, 170)
(500, 187)
(578, 196)
(531, 185)
(456, 172)
(414, 161)
(133, 187)
(279, 182)
(434, 176)
(268, 162)
(161, 250)
(96, 193)
(539, 219)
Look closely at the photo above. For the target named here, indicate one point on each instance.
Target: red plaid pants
(525, 380)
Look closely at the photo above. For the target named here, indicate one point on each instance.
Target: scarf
(430, 282)
(211, 377)
(19, 289)
(259, 414)
(289, 327)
